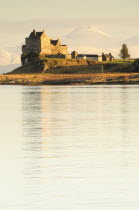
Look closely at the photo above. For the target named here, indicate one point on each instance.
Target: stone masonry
(39, 43)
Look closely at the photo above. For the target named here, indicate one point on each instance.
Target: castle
(38, 43)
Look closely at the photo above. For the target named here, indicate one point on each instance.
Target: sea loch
(69, 147)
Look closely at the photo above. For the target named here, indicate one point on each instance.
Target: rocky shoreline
(70, 79)
(72, 72)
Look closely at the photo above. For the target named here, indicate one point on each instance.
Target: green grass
(96, 68)
(115, 60)
(121, 61)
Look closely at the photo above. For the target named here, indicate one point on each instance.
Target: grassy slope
(114, 73)
(63, 67)
(96, 68)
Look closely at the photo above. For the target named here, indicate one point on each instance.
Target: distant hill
(8, 68)
(90, 36)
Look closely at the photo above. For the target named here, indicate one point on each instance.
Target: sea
(69, 147)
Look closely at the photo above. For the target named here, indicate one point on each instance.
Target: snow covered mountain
(90, 36)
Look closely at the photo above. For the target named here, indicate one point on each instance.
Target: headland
(46, 62)
(71, 72)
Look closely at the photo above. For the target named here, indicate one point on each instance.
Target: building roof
(88, 55)
(34, 35)
(107, 55)
(54, 42)
(74, 51)
(39, 34)
(81, 55)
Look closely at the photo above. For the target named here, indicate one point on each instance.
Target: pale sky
(85, 26)
(30, 9)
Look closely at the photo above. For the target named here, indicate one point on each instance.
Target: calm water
(69, 148)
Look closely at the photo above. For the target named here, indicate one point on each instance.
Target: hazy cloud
(8, 58)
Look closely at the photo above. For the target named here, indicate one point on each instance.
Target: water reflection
(80, 147)
(32, 147)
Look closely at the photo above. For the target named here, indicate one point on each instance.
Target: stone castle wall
(45, 45)
(39, 44)
(33, 45)
(59, 49)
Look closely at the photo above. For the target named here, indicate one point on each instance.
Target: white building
(89, 57)
(81, 56)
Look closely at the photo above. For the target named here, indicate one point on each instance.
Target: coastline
(70, 79)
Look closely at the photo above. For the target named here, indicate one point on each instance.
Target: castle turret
(34, 32)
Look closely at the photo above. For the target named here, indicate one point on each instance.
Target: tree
(124, 52)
